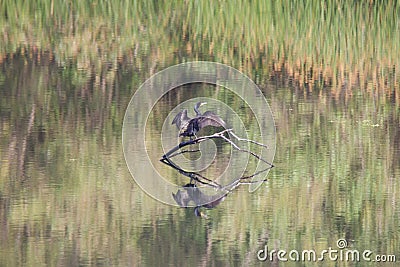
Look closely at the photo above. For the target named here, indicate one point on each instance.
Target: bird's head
(197, 106)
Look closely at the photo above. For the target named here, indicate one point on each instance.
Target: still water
(67, 197)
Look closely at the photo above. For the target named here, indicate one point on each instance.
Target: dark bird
(189, 127)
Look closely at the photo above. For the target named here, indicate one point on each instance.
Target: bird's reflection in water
(192, 194)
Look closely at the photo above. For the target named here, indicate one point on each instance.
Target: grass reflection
(335, 172)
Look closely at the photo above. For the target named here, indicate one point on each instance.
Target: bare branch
(166, 159)
(248, 140)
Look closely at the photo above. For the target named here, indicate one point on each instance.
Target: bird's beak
(203, 103)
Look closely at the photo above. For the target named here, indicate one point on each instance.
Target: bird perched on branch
(189, 127)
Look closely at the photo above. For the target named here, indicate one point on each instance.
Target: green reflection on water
(67, 197)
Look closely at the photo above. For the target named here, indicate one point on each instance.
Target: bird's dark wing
(180, 119)
(189, 127)
(177, 120)
(209, 118)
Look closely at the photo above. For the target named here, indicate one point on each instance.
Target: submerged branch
(166, 159)
(192, 175)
